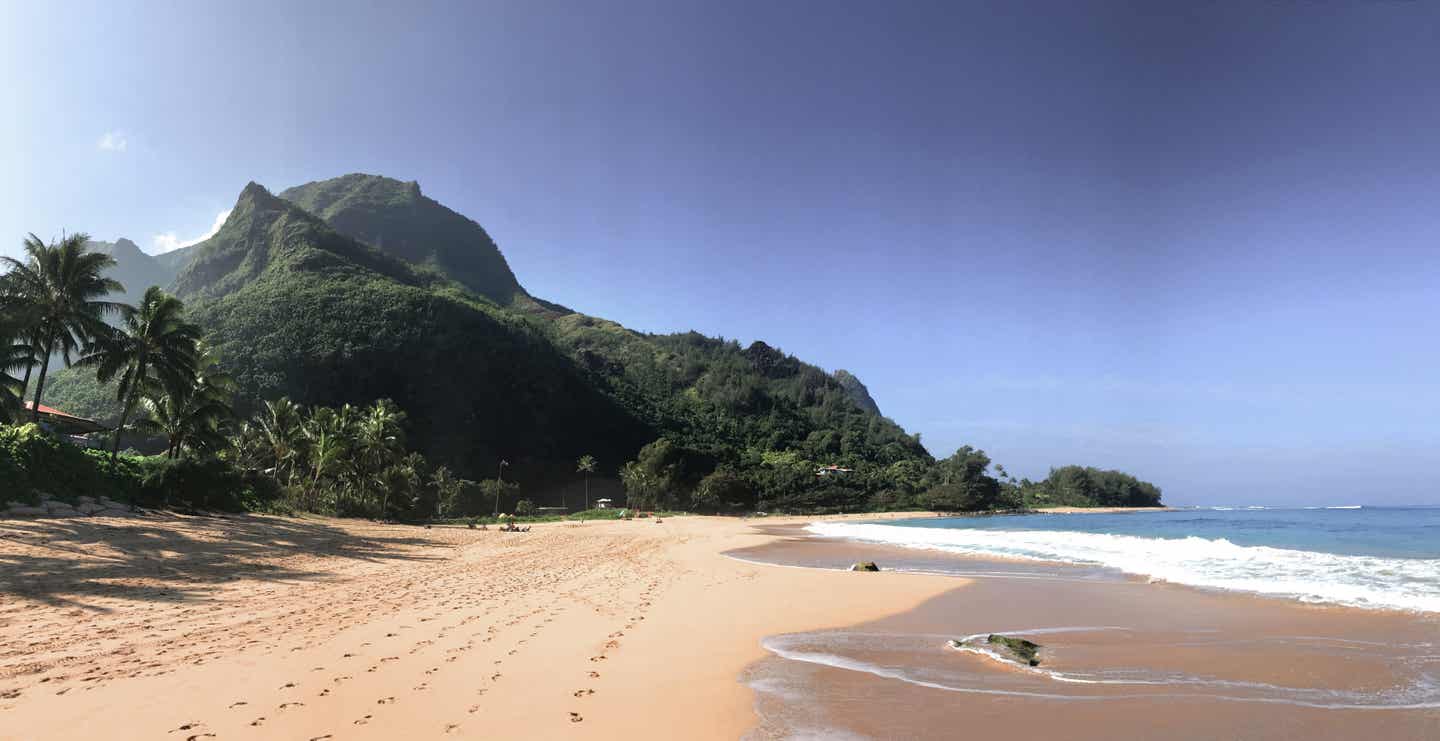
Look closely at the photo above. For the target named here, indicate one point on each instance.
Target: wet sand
(1130, 660)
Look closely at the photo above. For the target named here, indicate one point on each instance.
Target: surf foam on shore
(1357, 581)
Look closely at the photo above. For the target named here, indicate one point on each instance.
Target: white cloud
(113, 141)
(169, 242)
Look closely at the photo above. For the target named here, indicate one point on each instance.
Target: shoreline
(1156, 658)
(1098, 510)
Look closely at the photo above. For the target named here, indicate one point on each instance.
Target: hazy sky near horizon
(1197, 241)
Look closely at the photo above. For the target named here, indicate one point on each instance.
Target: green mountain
(175, 260)
(135, 269)
(297, 309)
(397, 218)
(358, 288)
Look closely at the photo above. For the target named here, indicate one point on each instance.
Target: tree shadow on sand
(66, 562)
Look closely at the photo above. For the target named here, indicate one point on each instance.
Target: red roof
(62, 416)
(52, 411)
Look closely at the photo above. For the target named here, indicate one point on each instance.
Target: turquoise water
(1376, 557)
(1389, 532)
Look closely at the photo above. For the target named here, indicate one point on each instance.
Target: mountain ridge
(298, 308)
(396, 217)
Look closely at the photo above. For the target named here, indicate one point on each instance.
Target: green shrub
(33, 461)
(204, 483)
(524, 508)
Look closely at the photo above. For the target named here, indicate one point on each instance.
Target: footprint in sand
(474, 709)
(287, 685)
(234, 705)
(192, 725)
(594, 675)
(321, 738)
(575, 718)
(385, 701)
(363, 721)
(288, 705)
(584, 692)
(451, 727)
(258, 721)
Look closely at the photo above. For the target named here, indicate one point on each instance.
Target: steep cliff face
(857, 391)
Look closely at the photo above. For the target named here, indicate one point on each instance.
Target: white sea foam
(1072, 687)
(1360, 581)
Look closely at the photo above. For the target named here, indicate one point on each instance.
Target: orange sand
(262, 627)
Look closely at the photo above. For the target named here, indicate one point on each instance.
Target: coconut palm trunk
(40, 380)
(34, 344)
(124, 414)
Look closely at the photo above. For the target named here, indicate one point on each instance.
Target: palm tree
(279, 429)
(58, 289)
(193, 415)
(586, 466)
(447, 489)
(155, 350)
(379, 442)
(328, 435)
(13, 354)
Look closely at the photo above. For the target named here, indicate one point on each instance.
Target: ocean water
(1370, 557)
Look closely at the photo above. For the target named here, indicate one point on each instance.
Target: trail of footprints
(490, 633)
(167, 636)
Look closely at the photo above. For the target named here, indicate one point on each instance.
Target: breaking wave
(1410, 584)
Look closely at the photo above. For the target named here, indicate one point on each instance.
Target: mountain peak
(395, 217)
(254, 192)
(856, 391)
(120, 249)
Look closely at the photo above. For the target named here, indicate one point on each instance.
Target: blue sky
(1195, 241)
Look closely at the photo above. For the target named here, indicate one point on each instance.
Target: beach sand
(262, 627)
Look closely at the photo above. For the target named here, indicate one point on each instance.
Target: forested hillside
(361, 288)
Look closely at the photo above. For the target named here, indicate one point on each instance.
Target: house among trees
(69, 425)
(832, 471)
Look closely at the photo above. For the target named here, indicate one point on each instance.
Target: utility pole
(500, 485)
